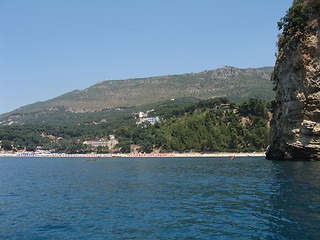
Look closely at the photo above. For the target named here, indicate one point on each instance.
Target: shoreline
(91, 155)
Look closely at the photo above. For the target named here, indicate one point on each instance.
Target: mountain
(234, 83)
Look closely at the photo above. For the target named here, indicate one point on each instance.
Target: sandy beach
(91, 155)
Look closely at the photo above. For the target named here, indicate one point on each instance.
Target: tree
(295, 20)
(124, 146)
(296, 17)
(254, 106)
(31, 146)
(6, 145)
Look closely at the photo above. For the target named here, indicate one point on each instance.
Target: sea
(158, 198)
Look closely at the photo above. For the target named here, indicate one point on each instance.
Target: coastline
(92, 155)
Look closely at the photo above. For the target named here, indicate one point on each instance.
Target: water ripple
(185, 198)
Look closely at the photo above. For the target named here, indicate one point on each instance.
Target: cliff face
(296, 120)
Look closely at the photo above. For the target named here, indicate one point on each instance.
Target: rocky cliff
(296, 120)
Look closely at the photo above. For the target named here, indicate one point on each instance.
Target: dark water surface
(158, 198)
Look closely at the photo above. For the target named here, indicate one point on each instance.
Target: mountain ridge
(234, 83)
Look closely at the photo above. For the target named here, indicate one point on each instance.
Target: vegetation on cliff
(296, 19)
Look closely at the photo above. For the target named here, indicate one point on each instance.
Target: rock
(296, 120)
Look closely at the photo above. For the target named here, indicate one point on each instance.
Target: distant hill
(234, 83)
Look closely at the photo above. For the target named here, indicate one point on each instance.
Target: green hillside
(212, 125)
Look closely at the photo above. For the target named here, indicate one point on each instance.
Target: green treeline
(206, 126)
(59, 138)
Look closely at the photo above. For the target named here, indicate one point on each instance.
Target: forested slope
(212, 125)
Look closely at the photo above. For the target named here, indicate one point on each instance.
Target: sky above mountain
(48, 48)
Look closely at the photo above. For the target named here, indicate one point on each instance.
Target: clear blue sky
(50, 47)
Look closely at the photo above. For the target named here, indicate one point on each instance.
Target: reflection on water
(296, 206)
(158, 198)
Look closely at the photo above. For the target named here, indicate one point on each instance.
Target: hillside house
(96, 143)
(143, 117)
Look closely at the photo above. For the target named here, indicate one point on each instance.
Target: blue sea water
(158, 198)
